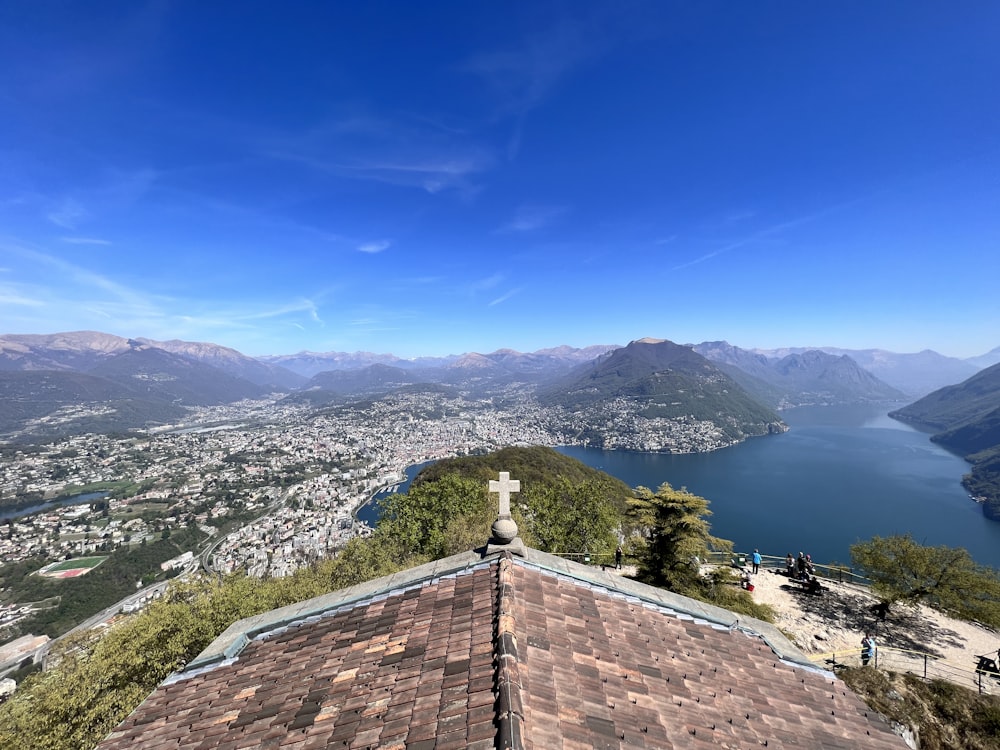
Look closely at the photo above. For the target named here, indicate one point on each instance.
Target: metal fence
(905, 661)
(834, 572)
(839, 573)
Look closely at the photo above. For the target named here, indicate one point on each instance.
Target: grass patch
(948, 717)
(82, 489)
(80, 562)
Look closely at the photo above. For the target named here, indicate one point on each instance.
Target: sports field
(71, 568)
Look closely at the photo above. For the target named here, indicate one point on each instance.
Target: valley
(265, 478)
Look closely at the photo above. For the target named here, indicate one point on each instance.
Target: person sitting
(987, 666)
(880, 610)
(745, 579)
(813, 587)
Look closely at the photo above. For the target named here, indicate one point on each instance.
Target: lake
(839, 475)
(14, 511)
(371, 511)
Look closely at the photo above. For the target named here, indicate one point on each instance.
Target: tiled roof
(529, 652)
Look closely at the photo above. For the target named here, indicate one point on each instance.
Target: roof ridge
(509, 705)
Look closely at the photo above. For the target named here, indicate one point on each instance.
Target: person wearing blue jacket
(756, 561)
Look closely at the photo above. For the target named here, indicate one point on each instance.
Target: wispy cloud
(487, 283)
(522, 76)
(59, 291)
(763, 234)
(303, 305)
(85, 241)
(407, 152)
(504, 297)
(372, 325)
(374, 248)
(530, 218)
(111, 191)
(434, 174)
(13, 296)
(86, 279)
(68, 213)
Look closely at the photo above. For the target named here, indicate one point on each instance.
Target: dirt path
(839, 616)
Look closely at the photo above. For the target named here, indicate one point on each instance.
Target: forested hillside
(656, 386)
(564, 506)
(967, 416)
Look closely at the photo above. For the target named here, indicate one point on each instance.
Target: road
(105, 615)
(203, 560)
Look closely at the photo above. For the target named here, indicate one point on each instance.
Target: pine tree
(677, 537)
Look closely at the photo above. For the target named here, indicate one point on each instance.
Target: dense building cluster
(280, 480)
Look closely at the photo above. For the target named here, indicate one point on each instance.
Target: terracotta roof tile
(542, 655)
(627, 668)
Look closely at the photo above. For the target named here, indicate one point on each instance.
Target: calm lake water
(27, 510)
(371, 511)
(839, 475)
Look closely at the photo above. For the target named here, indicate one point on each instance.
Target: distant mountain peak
(806, 376)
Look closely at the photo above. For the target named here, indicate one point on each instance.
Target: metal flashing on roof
(500, 652)
(236, 637)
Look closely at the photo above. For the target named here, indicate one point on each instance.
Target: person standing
(618, 558)
(867, 649)
(756, 561)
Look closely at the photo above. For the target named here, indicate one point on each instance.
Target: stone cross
(505, 486)
(504, 529)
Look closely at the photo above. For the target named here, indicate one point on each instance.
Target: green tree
(364, 559)
(676, 537)
(96, 681)
(946, 578)
(563, 516)
(416, 522)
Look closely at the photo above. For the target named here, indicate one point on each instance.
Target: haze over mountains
(966, 420)
(810, 376)
(90, 381)
(915, 374)
(80, 351)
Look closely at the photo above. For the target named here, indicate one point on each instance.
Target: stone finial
(504, 529)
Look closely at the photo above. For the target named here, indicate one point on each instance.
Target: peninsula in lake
(652, 395)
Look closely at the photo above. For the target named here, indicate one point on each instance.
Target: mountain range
(915, 374)
(799, 378)
(67, 382)
(81, 351)
(658, 384)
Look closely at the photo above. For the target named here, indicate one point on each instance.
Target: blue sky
(429, 178)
